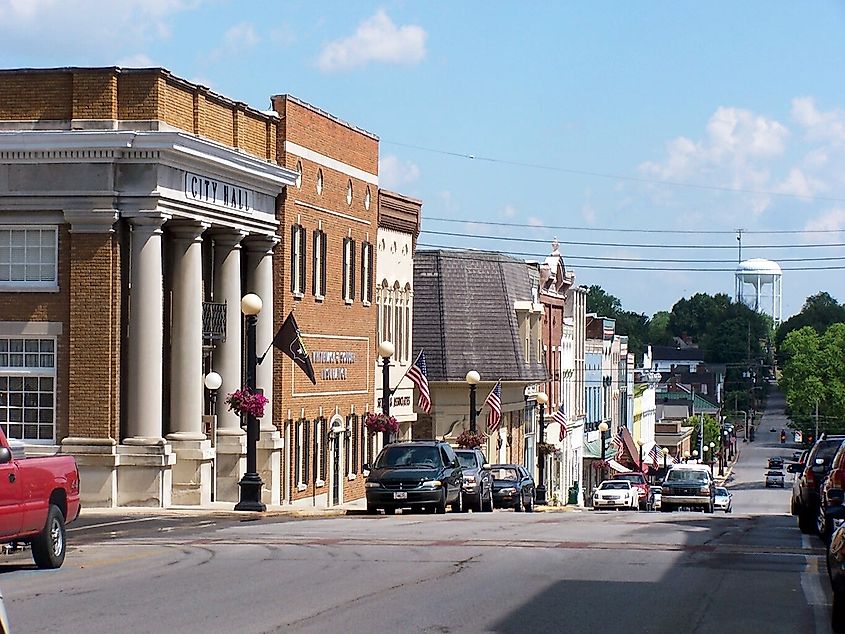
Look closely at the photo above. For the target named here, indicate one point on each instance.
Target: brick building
(136, 209)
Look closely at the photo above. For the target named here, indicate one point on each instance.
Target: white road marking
(115, 523)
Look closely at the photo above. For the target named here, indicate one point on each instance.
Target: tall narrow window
(367, 276)
(299, 174)
(297, 260)
(324, 450)
(356, 432)
(319, 182)
(306, 451)
(319, 456)
(349, 193)
(27, 388)
(318, 264)
(398, 315)
(408, 327)
(348, 270)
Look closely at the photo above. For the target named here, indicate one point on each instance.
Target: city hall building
(136, 209)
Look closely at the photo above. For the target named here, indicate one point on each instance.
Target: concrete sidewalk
(226, 509)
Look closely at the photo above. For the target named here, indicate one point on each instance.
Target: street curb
(205, 512)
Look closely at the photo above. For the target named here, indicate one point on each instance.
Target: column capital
(149, 222)
(91, 220)
(261, 243)
(227, 237)
(186, 230)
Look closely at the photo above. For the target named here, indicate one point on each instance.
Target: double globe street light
(603, 430)
(472, 378)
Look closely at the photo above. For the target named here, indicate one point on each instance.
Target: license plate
(400, 495)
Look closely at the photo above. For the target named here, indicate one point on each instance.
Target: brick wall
(324, 134)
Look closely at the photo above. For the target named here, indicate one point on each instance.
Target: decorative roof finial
(555, 246)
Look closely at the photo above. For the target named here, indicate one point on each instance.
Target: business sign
(214, 192)
(342, 365)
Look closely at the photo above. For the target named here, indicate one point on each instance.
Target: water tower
(759, 285)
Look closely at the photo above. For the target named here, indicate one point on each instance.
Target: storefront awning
(618, 468)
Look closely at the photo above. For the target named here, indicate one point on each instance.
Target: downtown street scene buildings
(137, 209)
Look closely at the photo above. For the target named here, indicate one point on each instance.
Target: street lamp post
(603, 429)
(665, 452)
(704, 451)
(385, 351)
(542, 400)
(713, 457)
(472, 379)
(686, 456)
(213, 381)
(723, 440)
(251, 484)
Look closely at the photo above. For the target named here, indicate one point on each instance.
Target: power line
(455, 249)
(522, 225)
(629, 245)
(618, 177)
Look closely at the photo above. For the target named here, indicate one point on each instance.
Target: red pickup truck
(38, 496)
(638, 481)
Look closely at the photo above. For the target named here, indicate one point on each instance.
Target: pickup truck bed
(39, 496)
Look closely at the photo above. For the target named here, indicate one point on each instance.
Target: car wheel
(529, 507)
(48, 547)
(440, 507)
(806, 523)
(490, 505)
(518, 504)
(458, 505)
(477, 502)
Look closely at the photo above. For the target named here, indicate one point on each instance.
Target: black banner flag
(289, 341)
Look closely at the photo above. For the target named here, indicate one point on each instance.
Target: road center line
(115, 523)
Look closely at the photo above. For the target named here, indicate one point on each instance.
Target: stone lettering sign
(208, 190)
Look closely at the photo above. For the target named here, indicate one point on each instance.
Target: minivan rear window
(409, 457)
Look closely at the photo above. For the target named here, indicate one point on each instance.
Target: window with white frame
(28, 388)
(409, 326)
(319, 456)
(28, 257)
(348, 270)
(318, 264)
(398, 315)
(297, 260)
(367, 276)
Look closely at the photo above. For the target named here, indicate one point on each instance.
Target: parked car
(420, 473)
(4, 619)
(39, 497)
(774, 478)
(513, 487)
(639, 482)
(836, 567)
(656, 493)
(810, 475)
(831, 493)
(617, 494)
(723, 500)
(478, 480)
(688, 486)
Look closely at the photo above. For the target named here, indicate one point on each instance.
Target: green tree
(711, 430)
(602, 303)
(633, 325)
(693, 317)
(820, 311)
(658, 329)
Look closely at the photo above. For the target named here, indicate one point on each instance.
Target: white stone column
(145, 458)
(193, 471)
(230, 444)
(270, 443)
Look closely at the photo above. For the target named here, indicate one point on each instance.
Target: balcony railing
(214, 321)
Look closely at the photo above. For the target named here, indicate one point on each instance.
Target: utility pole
(816, 437)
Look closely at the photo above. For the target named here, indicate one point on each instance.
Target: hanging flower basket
(380, 423)
(470, 440)
(245, 401)
(546, 449)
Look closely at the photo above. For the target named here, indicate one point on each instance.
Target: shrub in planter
(470, 440)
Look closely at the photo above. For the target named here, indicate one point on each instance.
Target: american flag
(676, 459)
(560, 418)
(617, 442)
(419, 377)
(655, 455)
(494, 400)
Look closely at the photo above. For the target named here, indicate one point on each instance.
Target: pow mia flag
(289, 341)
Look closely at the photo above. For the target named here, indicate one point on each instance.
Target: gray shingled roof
(464, 315)
(668, 353)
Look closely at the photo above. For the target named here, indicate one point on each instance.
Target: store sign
(211, 191)
(339, 360)
(396, 401)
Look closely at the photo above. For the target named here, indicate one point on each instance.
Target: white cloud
(236, 40)
(824, 126)
(798, 183)
(87, 31)
(139, 60)
(393, 172)
(832, 221)
(510, 211)
(376, 39)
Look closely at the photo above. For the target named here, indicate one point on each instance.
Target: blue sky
(581, 117)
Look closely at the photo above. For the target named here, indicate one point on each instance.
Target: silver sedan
(723, 500)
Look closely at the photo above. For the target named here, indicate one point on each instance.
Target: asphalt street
(569, 571)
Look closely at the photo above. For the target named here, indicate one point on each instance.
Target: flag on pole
(676, 459)
(494, 400)
(289, 341)
(419, 377)
(617, 442)
(654, 454)
(560, 418)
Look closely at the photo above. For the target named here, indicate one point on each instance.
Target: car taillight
(810, 477)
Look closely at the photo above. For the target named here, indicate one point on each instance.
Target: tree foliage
(814, 376)
(633, 325)
(820, 311)
(711, 430)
